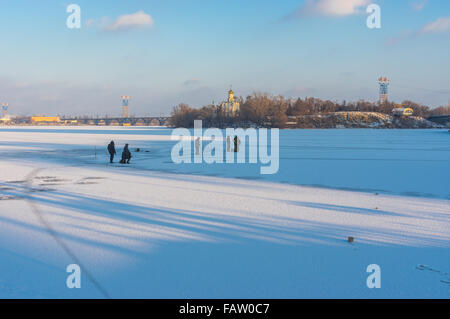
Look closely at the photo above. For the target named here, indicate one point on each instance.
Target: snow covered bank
(362, 120)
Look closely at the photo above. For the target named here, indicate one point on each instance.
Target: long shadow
(78, 239)
(343, 208)
(167, 224)
(213, 226)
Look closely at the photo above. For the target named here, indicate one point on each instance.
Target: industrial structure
(104, 121)
(119, 121)
(5, 110)
(440, 119)
(384, 84)
(125, 120)
(125, 108)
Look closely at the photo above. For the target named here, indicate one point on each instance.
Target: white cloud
(126, 22)
(337, 8)
(21, 85)
(418, 5)
(440, 25)
(300, 91)
(191, 82)
(89, 23)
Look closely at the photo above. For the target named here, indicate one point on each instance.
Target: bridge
(440, 119)
(118, 121)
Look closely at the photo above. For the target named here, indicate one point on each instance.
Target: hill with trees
(264, 110)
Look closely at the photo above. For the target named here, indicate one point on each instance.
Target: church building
(231, 106)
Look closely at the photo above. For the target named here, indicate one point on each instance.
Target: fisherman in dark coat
(236, 144)
(126, 155)
(112, 151)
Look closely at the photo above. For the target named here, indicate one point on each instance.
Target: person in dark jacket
(112, 151)
(236, 144)
(126, 155)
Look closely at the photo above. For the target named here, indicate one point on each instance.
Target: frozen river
(400, 162)
(154, 229)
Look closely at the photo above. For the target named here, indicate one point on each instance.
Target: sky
(166, 52)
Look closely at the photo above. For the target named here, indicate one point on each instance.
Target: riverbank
(361, 120)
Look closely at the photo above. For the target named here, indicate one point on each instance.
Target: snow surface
(154, 229)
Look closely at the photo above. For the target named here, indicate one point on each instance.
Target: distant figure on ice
(126, 155)
(228, 144)
(236, 144)
(197, 146)
(112, 151)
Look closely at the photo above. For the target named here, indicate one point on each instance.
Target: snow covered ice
(154, 229)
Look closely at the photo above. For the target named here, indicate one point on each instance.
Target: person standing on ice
(112, 151)
(228, 144)
(236, 144)
(126, 155)
(197, 146)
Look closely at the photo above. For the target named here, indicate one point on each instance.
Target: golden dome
(230, 95)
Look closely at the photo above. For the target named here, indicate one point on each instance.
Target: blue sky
(166, 52)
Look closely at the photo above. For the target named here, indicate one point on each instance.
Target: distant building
(45, 119)
(5, 120)
(231, 107)
(403, 111)
(70, 122)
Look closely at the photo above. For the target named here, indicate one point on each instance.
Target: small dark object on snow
(350, 239)
(376, 193)
(138, 149)
(147, 151)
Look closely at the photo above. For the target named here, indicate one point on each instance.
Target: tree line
(262, 109)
